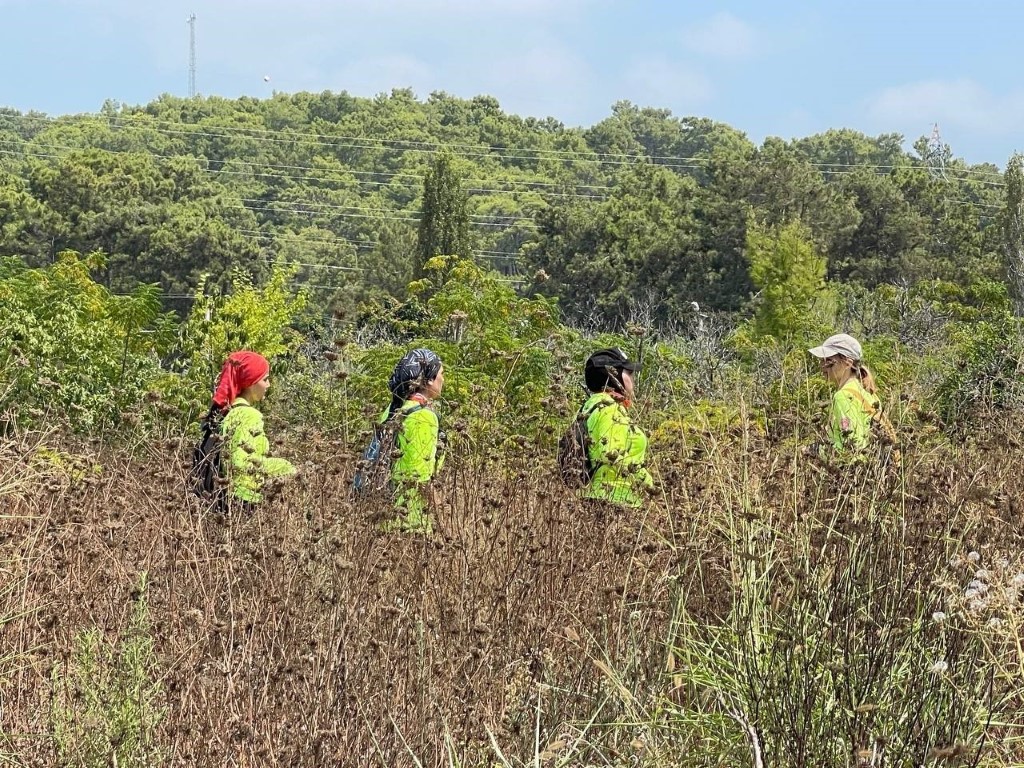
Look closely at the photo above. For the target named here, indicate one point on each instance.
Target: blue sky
(767, 68)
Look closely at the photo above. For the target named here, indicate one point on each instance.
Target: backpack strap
(586, 413)
(875, 415)
(390, 423)
(403, 413)
(211, 422)
(866, 404)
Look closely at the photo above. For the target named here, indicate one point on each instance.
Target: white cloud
(962, 103)
(722, 36)
(660, 82)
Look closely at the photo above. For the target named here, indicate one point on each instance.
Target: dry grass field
(762, 610)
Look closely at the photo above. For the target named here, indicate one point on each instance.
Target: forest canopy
(644, 206)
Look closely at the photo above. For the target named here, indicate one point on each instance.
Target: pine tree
(1013, 228)
(789, 274)
(444, 221)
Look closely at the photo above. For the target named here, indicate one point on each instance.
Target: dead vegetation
(530, 628)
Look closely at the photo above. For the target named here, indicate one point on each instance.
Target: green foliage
(498, 349)
(980, 300)
(889, 238)
(831, 650)
(642, 212)
(838, 150)
(639, 246)
(254, 317)
(790, 275)
(444, 219)
(71, 349)
(784, 187)
(499, 344)
(644, 205)
(391, 264)
(106, 704)
(984, 366)
(1012, 226)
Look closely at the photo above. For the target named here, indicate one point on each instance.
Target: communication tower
(191, 21)
(936, 154)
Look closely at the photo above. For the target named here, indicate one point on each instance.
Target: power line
(383, 214)
(357, 244)
(362, 142)
(377, 214)
(278, 237)
(380, 214)
(478, 149)
(307, 178)
(480, 218)
(488, 220)
(389, 214)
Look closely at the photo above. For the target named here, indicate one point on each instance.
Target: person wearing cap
(617, 448)
(415, 384)
(244, 381)
(855, 403)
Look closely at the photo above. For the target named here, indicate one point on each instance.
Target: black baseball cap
(613, 357)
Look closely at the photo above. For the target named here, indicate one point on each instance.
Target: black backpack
(374, 469)
(206, 477)
(574, 451)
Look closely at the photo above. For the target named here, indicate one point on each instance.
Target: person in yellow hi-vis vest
(617, 449)
(855, 404)
(415, 384)
(243, 382)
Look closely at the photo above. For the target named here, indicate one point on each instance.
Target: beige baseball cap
(841, 344)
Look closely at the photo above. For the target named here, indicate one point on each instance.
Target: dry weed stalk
(530, 628)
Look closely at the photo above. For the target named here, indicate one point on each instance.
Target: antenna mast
(191, 21)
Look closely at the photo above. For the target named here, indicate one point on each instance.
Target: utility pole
(191, 21)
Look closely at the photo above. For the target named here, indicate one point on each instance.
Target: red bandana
(241, 370)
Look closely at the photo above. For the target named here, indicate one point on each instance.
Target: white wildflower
(982, 575)
(971, 592)
(973, 556)
(995, 623)
(939, 667)
(1018, 580)
(977, 605)
(938, 617)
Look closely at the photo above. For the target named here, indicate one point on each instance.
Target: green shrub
(984, 359)
(790, 276)
(499, 351)
(106, 697)
(254, 317)
(70, 351)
